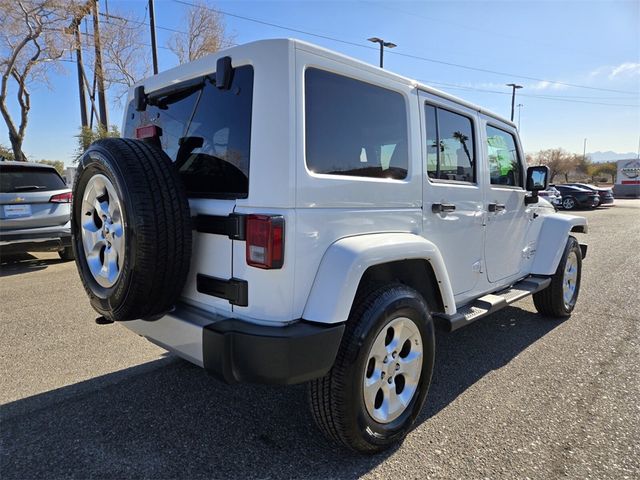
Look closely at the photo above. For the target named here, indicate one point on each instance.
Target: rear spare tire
(131, 229)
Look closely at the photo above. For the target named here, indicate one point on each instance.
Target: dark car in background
(576, 197)
(606, 194)
(35, 210)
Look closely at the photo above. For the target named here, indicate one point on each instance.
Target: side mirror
(537, 179)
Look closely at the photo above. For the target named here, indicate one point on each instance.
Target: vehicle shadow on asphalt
(169, 419)
(23, 263)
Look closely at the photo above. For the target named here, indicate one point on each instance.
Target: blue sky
(593, 44)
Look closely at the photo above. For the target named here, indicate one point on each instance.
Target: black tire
(66, 254)
(157, 229)
(337, 400)
(550, 301)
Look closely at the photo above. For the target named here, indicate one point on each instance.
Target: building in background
(69, 175)
(628, 179)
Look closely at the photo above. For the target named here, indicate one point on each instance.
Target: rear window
(29, 179)
(354, 128)
(207, 133)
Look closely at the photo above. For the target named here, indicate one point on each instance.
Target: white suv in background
(280, 213)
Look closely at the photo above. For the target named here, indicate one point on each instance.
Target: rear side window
(504, 163)
(450, 145)
(207, 133)
(354, 128)
(15, 179)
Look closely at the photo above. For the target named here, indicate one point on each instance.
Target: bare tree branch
(206, 33)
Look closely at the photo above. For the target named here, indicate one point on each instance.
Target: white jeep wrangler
(280, 213)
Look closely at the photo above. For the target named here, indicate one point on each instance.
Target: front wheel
(560, 297)
(66, 254)
(379, 382)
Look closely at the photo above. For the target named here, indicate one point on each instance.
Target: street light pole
(382, 45)
(513, 97)
(152, 27)
(519, 109)
(584, 150)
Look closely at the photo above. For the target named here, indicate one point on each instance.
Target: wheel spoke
(411, 365)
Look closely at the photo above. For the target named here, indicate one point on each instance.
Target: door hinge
(233, 225)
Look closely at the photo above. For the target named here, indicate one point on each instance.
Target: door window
(504, 160)
(450, 145)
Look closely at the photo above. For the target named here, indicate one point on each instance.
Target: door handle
(496, 207)
(442, 207)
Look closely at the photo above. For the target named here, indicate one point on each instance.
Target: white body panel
(338, 226)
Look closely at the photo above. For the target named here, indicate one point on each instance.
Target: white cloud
(625, 69)
(546, 85)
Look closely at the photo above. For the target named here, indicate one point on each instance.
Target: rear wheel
(560, 297)
(379, 382)
(568, 203)
(131, 229)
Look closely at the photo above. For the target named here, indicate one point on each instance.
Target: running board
(491, 303)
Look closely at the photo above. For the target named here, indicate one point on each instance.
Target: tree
(57, 164)
(206, 33)
(121, 43)
(558, 161)
(5, 153)
(31, 40)
(87, 136)
(606, 168)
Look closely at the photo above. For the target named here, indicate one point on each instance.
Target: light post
(382, 45)
(513, 97)
(519, 109)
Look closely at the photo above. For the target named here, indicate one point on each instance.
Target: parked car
(552, 195)
(577, 197)
(279, 213)
(605, 193)
(35, 208)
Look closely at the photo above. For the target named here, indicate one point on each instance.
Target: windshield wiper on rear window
(174, 93)
(22, 188)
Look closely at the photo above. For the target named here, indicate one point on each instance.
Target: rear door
(453, 197)
(508, 218)
(25, 197)
(206, 131)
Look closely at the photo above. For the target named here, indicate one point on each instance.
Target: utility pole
(152, 26)
(584, 150)
(382, 45)
(102, 103)
(513, 97)
(519, 108)
(83, 101)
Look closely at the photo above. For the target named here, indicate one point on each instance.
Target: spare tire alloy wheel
(131, 228)
(102, 230)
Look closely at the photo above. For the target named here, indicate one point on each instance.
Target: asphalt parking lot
(513, 396)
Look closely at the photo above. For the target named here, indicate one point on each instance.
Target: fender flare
(552, 239)
(346, 260)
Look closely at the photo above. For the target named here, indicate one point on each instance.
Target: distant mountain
(598, 157)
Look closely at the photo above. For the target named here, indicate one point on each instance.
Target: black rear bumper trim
(237, 351)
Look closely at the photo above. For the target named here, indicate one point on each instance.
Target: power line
(543, 97)
(407, 55)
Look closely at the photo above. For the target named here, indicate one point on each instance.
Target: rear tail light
(265, 241)
(148, 131)
(62, 198)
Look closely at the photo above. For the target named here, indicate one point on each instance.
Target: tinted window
(450, 145)
(504, 164)
(354, 128)
(207, 133)
(29, 179)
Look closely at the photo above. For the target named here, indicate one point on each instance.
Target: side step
(491, 303)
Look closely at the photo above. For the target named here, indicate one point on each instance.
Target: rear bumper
(41, 240)
(238, 351)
